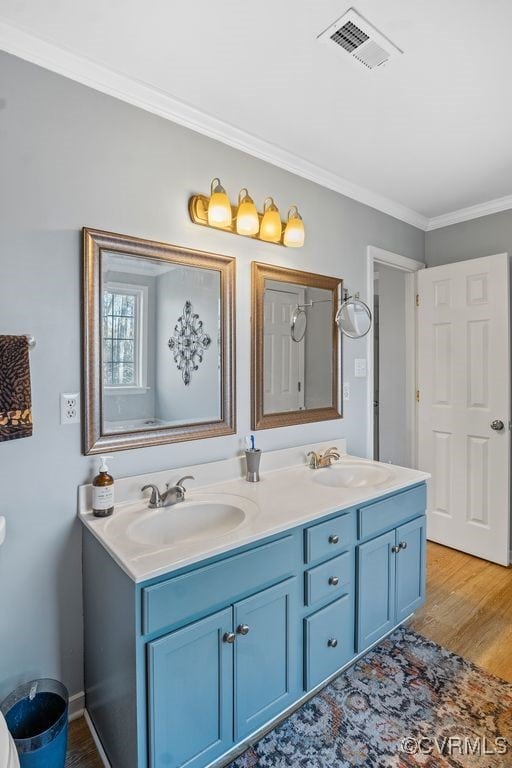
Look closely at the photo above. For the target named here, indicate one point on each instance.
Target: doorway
(392, 351)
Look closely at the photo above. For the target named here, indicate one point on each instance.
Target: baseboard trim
(76, 706)
(96, 739)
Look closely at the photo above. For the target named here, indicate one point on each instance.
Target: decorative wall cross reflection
(188, 342)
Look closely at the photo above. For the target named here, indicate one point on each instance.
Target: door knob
(243, 629)
(395, 549)
(229, 637)
(334, 539)
(332, 643)
(334, 581)
(497, 425)
(402, 545)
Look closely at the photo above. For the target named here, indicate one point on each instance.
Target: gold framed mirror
(158, 343)
(295, 347)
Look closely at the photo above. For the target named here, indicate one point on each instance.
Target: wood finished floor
(468, 610)
(81, 749)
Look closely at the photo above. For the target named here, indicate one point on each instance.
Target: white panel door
(464, 385)
(283, 384)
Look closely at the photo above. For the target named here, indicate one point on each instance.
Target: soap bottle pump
(103, 491)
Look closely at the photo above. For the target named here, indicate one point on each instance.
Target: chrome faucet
(173, 495)
(320, 460)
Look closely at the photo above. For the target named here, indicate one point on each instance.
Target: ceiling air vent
(360, 40)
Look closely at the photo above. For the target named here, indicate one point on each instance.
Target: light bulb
(219, 207)
(247, 221)
(271, 226)
(294, 230)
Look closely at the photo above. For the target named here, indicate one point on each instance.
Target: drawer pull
(334, 539)
(403, 545)
(332, 643)
(334, 581)
(229, 637)
(243, 629)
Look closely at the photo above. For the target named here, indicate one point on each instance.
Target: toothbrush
(248, 442)
(252, 443)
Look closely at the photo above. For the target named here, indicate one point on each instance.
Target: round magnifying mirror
(299, 323)
(354, 318)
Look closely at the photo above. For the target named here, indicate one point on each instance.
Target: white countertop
(284, 498)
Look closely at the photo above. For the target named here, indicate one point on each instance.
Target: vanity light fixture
(247, 221)
(294, 231)
(244, 219)
(219, 207)
(271, 226)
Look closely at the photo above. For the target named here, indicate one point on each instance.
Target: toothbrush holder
(252, 458)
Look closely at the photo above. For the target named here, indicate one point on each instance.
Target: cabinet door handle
(243, 629)
(334, 539)
(395, 549)
(332, 643)
(229, 637)
(334, 581)
(402, 545)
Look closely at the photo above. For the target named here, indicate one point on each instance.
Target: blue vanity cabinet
(265, 656)
(184, 669)
(329, 587)
(329, 640)
(376, 575)
(410, 567)
(221, 678)
(391, 580)
(190, 694)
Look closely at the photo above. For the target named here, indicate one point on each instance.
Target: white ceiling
(430, 132)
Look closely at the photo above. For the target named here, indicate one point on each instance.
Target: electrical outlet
(346, 391)
(69, 408)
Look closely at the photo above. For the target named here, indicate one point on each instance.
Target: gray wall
(470, 239)
(392, 366)
(70, 157)
(318, 349)
(201, 398)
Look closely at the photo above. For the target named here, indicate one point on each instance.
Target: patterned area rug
(408, 703)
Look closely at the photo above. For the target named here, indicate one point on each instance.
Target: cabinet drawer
(330, 538)
(208, 588)
(329, 636)
(329, 579)
(391, 512)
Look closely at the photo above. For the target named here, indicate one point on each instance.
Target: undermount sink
(353, 475)
(185, 521)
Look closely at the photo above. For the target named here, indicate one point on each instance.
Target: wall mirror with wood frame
(296, 347)
(158, 343)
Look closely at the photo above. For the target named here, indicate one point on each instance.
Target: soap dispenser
(103, 490)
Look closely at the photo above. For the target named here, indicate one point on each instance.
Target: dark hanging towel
(15, 394)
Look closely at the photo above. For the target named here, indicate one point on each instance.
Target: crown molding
(64, 62)
(471, 212)
(85, 71)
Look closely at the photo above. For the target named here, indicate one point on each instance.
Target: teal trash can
(36, 714)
